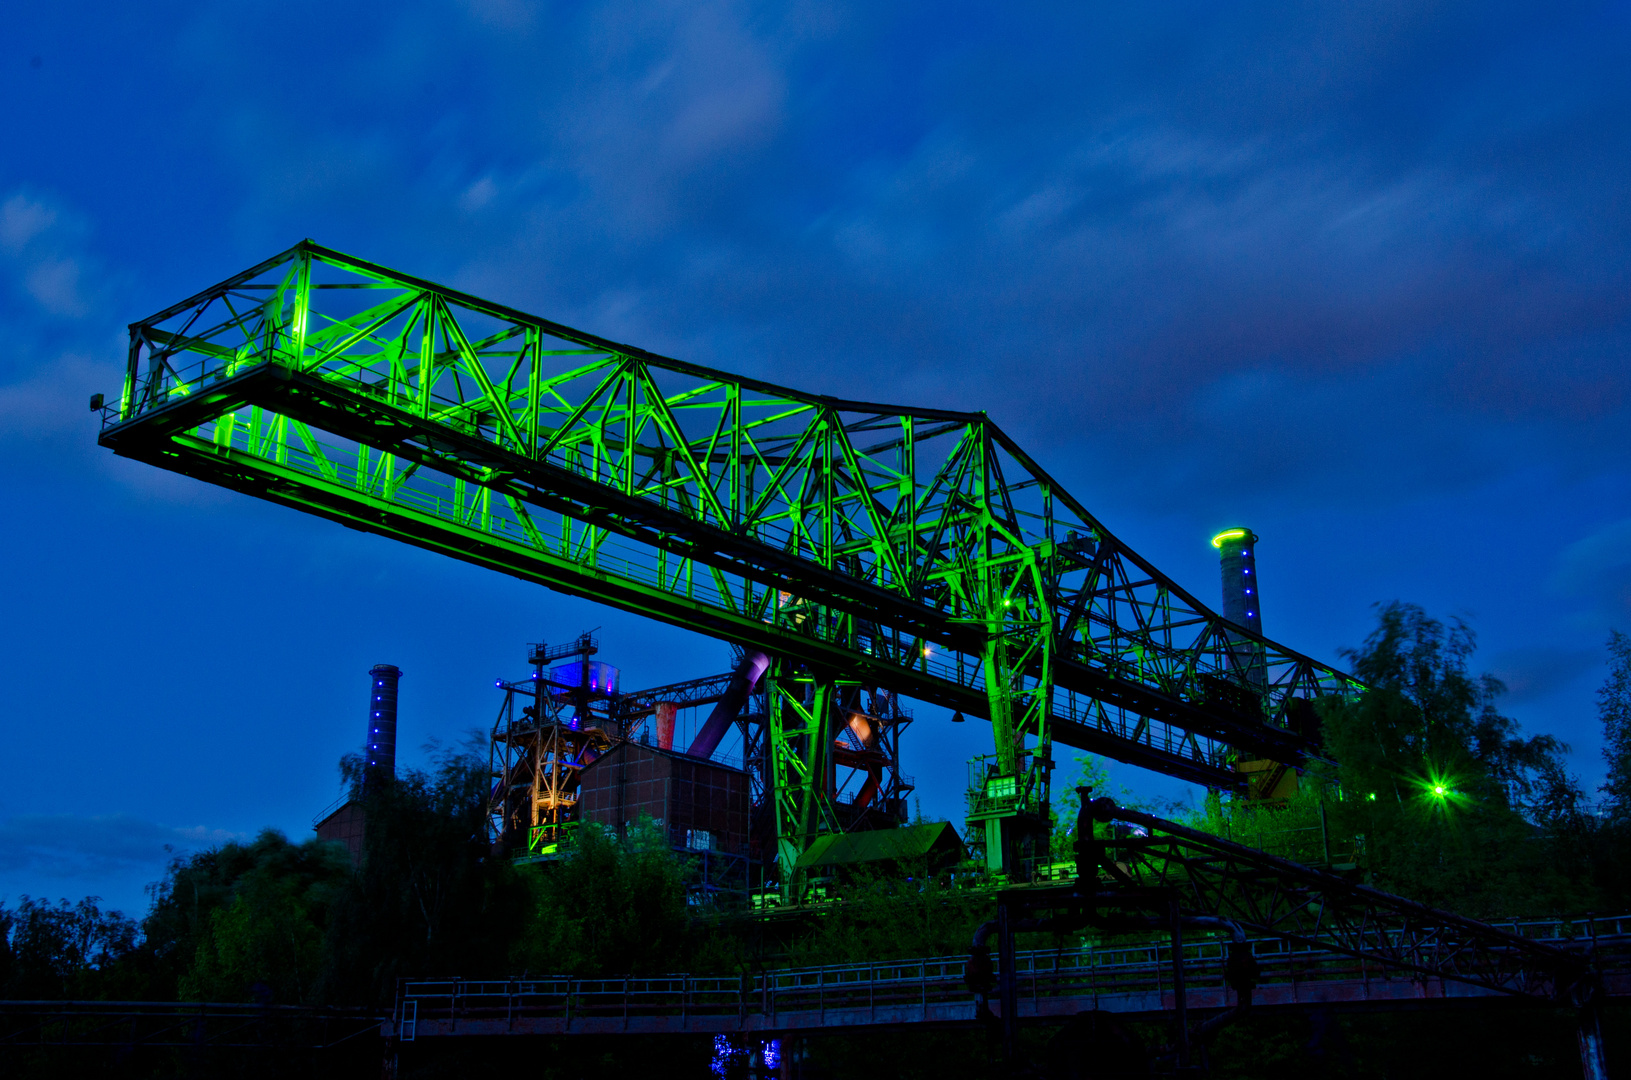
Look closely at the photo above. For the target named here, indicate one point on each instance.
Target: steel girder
(632, 709)
(917, 549)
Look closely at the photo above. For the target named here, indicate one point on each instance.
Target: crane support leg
(800, 721)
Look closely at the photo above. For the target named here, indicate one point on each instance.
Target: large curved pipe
(746, 677)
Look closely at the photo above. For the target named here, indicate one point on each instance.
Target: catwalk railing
(1135, 978)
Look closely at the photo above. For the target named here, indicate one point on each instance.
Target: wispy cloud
(43, 248)
(23, 218)
(1595, 571)
(53, 400)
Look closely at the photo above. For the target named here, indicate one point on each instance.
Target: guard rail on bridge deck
(1053, 984)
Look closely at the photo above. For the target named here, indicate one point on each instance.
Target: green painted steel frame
(917, 549)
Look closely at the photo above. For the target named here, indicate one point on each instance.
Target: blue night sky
(1353, 275)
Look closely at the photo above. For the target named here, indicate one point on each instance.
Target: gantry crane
(854, 546)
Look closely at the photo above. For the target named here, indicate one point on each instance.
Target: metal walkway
(1053, 985)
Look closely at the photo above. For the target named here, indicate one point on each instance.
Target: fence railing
(1124, 971)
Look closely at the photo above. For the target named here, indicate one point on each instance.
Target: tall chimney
(1241, 599)
(1240, 596)
(379, 754)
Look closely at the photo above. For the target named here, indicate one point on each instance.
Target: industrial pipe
(745, 678)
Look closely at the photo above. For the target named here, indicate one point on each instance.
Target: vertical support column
(1325, 829)
(1012, 807)
(1001, 797)
(133, 360)
(799, 708)
(1593, 1057)
(999, 698)
(817, 751)
(302, 309)
(1180, 1000)
(1007, 979)
(1009, 587)
(425, 378)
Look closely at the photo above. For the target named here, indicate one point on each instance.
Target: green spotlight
(1439, 785)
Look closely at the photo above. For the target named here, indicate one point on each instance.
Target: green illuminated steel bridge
(856, 544)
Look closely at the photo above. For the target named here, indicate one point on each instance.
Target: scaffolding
(570, 712)
(539, 750)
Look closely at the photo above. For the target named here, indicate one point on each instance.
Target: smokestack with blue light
(1242, 600)
(379, 750)
(1239, 565)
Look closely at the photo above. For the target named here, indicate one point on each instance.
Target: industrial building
(702, 807)
(571, 746)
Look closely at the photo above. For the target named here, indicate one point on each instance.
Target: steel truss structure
(539, 752)
(1151, 874)
(1207, 875)
(915, 549)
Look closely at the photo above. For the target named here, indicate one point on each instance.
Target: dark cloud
(115, 855)
(1533, 673)
(1141, 211)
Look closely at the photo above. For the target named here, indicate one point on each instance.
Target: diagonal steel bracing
(917, 549)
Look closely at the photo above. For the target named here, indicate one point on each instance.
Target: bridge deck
(1053, 985)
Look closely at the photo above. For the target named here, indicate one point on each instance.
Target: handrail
(925, 981)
